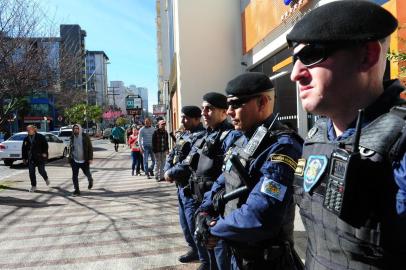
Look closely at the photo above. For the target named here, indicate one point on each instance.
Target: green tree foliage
(81, 113)
(121, 121)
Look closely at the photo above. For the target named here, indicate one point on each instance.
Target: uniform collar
(267, 122)
(389, 98)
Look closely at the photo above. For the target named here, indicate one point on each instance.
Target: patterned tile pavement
(124, 222)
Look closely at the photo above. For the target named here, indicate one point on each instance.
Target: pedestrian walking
(145, 142)
(257, 224)
(34, 154)
(80, 157)
(351, 180)
(116, 132)
(160, 147)
(135, 152)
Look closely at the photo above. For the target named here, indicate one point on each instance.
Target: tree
(400, 58)
(121, 121)
(81, 113)
(31, 59)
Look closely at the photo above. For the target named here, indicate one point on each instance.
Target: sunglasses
(313, 54)
(238, 103)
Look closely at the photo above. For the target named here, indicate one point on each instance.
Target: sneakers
(47, 182)
(76, 193)
(149, 177)
(190, 256)
(90, 184)
(32, 189)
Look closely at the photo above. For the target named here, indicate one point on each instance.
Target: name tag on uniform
(273, 189)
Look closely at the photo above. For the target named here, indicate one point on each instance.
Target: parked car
(55, 132)
(107, 133)
(64, 134)
(11, 149)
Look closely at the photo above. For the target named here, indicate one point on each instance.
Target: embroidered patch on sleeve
(279, 158)
(274, 189)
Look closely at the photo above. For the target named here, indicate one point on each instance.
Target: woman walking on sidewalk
(135, 152)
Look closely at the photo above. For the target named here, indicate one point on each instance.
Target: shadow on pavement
(24, 203)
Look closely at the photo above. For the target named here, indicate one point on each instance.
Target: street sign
(159, 109)
(60, 118)
(133, 102)
(134, 111)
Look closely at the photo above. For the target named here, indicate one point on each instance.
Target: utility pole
(113, 93)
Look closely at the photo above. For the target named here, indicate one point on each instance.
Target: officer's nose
(299, 71)
(230, 111)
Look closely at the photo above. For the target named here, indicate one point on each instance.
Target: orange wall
(258, 19)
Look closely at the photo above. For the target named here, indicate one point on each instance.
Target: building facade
(73, 47)
(200, 44)
(97, 81)
(265, 26)
(205, 43)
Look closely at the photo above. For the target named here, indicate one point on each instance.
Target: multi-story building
(96, 73)
(143, 93)
(205, 46)
(200, 43)
(73, 47)
(117, 93)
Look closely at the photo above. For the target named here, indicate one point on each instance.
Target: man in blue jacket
(175, 172)
(258, 224)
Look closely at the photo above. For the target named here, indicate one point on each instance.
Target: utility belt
(279, 256)
(200, 185)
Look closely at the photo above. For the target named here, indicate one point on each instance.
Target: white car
(11, 150)
(64, 134)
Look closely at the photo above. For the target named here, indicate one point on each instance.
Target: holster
(274, 257)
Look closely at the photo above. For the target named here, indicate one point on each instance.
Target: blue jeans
(148, 153)
(136, 157)
(187, 210)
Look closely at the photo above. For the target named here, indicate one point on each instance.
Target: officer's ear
(371, 53)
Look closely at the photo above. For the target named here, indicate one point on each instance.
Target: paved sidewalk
(124, 222)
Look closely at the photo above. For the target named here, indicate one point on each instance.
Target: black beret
(216, 99)
(192, 111)
(249, 83)
(343, 21)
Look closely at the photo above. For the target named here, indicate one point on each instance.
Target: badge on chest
(316, 165)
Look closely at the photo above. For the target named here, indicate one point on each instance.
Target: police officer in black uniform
(206, 158)
(351, 181)
(174, 171)
(258, 223)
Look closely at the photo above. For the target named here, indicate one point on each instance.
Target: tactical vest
(181, 142)
(376, 237)
(232, 178)
(209, 165)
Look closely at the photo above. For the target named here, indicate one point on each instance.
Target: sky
(124, 29)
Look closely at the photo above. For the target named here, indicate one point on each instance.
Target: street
(124, 222)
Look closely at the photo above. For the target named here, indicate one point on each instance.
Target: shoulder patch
(316, 165)
(273, 189)
(279, 158)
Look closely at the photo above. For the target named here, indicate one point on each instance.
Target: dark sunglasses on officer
(239, 102)
(313, 54)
